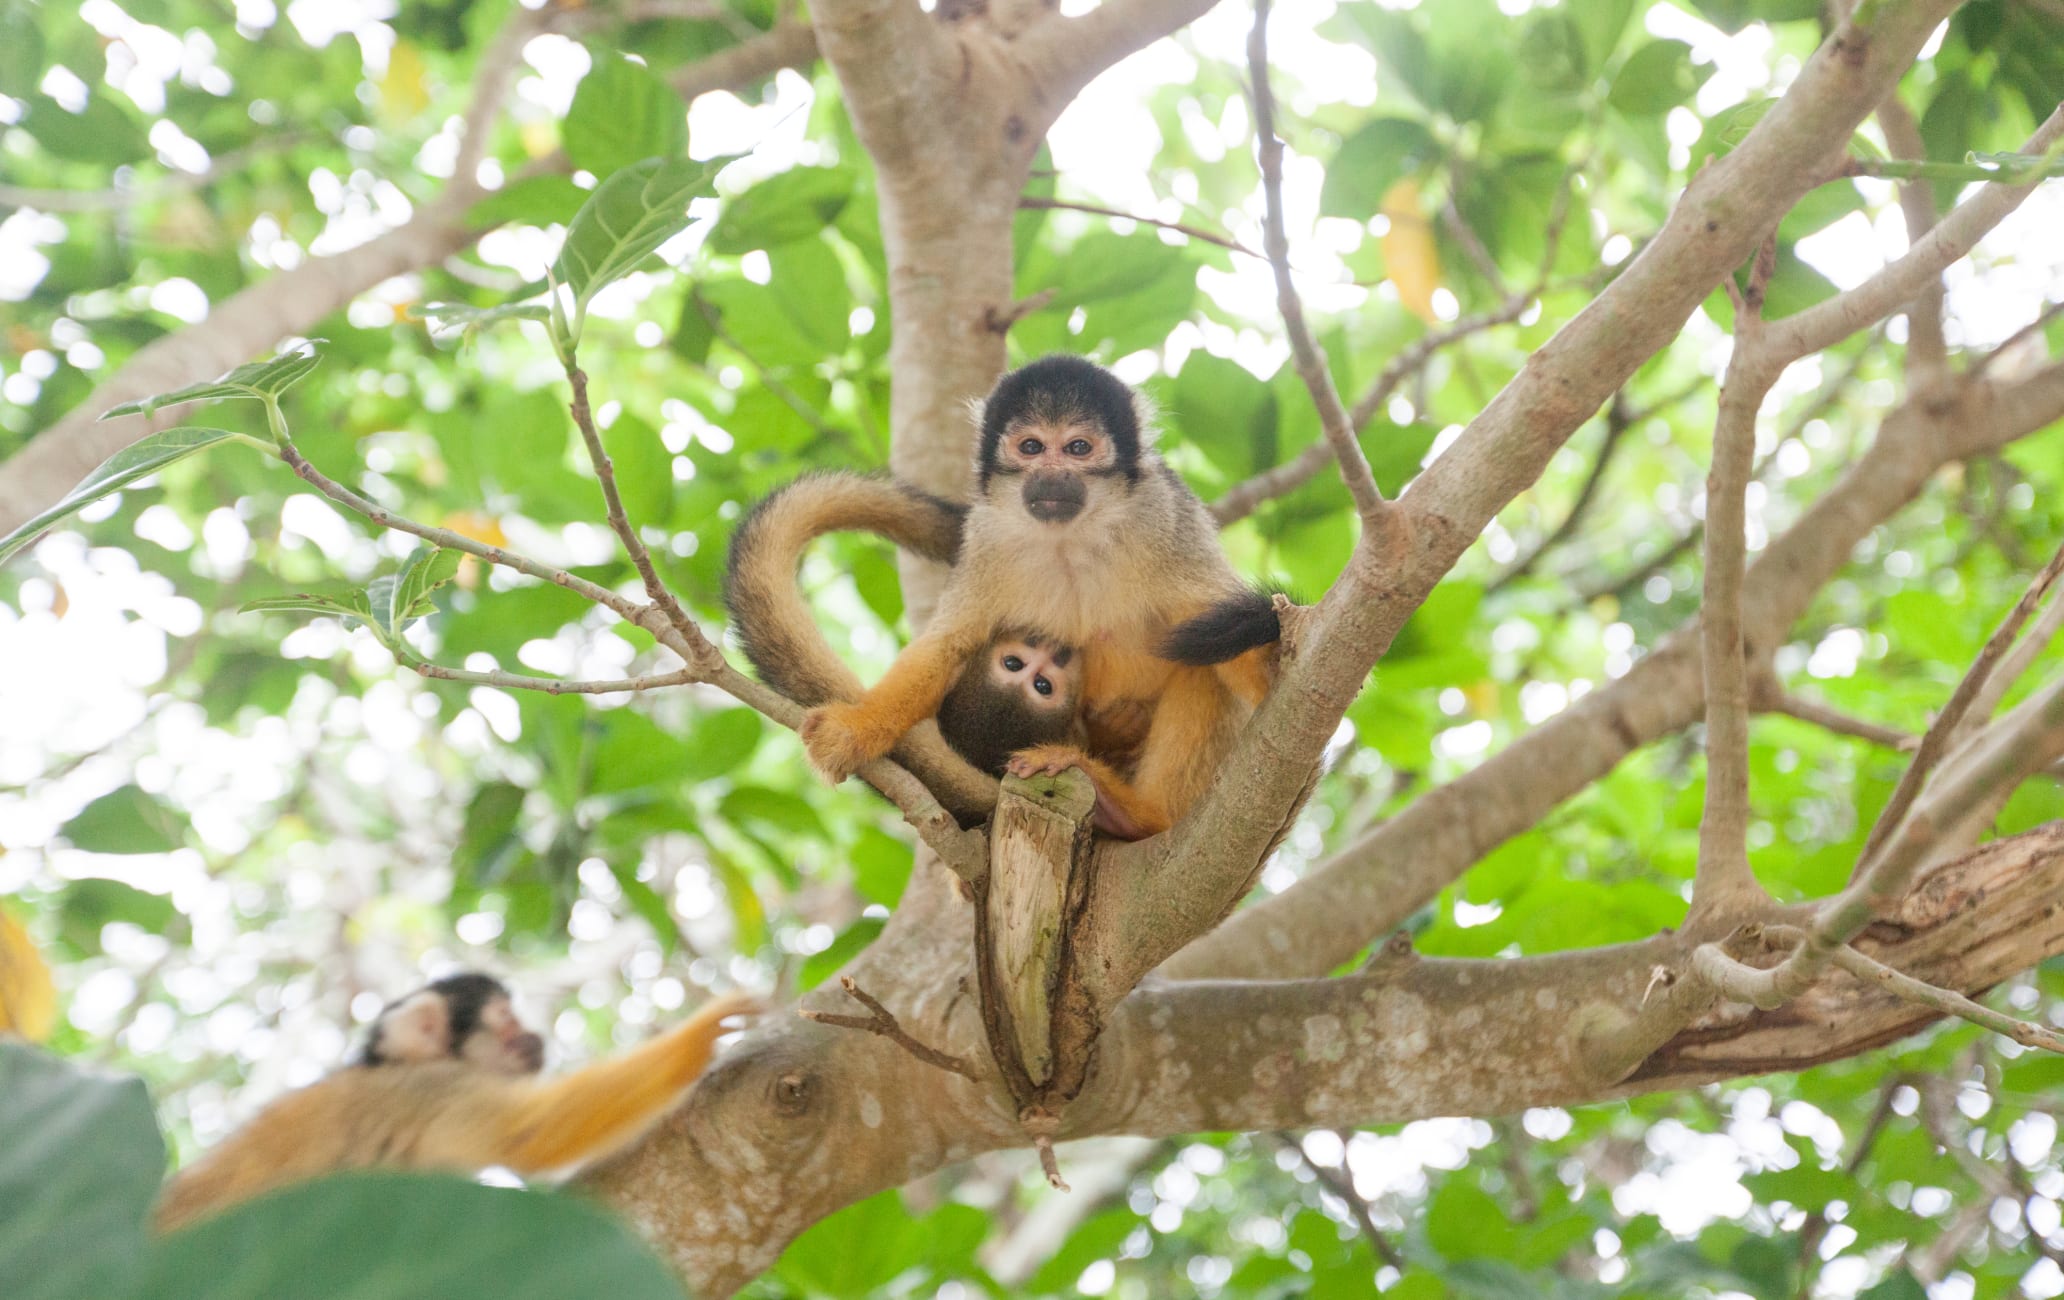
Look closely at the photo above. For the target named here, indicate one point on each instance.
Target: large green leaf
(138, 460)
(789, 206)
(629, 215)
(401, 1237)
(80, 1160)
(101, 133)
(1370, 161)
(621, 113)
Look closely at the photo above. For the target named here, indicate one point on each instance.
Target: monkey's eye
(1013, 664)
(1079, 447)
(1031, 446)
(1043, 686)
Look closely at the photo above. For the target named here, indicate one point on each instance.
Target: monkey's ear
(415, 1029)
(1148, 414)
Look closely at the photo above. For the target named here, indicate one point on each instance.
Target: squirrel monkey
(1019, 690)
(1077, 528)
(445, 1081)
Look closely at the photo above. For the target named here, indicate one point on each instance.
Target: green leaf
(1656, 78)
(881, 865)
(1725, 130)
(781, 209)
(395, 600)
(352, 608)
(254, 380)
(765, 808)
(407, 1237)
(851, 942)
(85, 907)
(127, 820)
(21, 52)
(719, 744)
(1228, 413)
(103, 133)
(1899, 1285)
(549, 200)
(469, 321)
(644, 470)
(622, 113)
(1395, 450)
(138, 460)
(629, 215)
(489, 838)
(80, 1160)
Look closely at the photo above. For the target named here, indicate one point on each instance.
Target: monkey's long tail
(774, 624)
(1225, 631)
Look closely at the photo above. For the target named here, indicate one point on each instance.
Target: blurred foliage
(254, 823)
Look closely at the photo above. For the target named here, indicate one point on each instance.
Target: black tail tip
(1225, 631)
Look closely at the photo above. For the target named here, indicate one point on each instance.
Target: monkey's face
(466, 1017)
(500, 1043)
(1058, 427)
(1044, 676)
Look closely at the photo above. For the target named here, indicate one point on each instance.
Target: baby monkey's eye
(1031, 446)
(1043, 686)
(1013, 664)
(1078, 447)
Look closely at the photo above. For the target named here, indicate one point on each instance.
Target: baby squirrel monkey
(445, 1081)
(1079, 529)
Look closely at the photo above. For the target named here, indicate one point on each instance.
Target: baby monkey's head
(1019, 691)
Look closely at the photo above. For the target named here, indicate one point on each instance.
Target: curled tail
(1225, 631)
(774, 624)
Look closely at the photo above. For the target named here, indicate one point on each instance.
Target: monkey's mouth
(529, 1050)
(1054, 498)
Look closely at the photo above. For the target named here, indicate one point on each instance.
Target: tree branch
(1947, 1001)
(880, 1021)
(1723, 881)
(1311, 363)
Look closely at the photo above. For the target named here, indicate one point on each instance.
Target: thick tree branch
(1371, 885)
(1066, 54)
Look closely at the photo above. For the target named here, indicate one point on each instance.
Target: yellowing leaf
(405, 89)
(1408, 249)
(28, 999)
(1482, 697)
(485, 529)
(538, 137)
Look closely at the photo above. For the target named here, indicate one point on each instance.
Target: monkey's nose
(530, 1049)
(1054, 498)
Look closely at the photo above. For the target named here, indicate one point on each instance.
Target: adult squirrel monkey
(1021, 689)
(1080, 530)
(446, 1081)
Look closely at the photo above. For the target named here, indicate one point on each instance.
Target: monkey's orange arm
(843, 737)
(599, 1109)
(1122, 810)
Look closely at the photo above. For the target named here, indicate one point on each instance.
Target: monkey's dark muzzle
(1054, 498)
(529, 1050)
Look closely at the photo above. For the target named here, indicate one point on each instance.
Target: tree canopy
(1653, 411)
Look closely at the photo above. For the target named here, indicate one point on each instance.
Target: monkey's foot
(839, 740)
(1047, 760)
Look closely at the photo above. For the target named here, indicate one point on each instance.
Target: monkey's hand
(842, 738)
(1047, 760)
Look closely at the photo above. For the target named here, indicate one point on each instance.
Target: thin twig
(881, 1022)
(552, 685)
(1040, 203)
(619, 522)
(1947, 1001)
(2035, 326)
(1939, 732)
(1338, 1180)
(1775, 699)
(385, 518)
(1311, 363)
(1617, 422)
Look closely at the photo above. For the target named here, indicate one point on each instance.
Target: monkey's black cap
(1062, 388)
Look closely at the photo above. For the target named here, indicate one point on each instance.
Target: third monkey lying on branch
(1079, 537)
